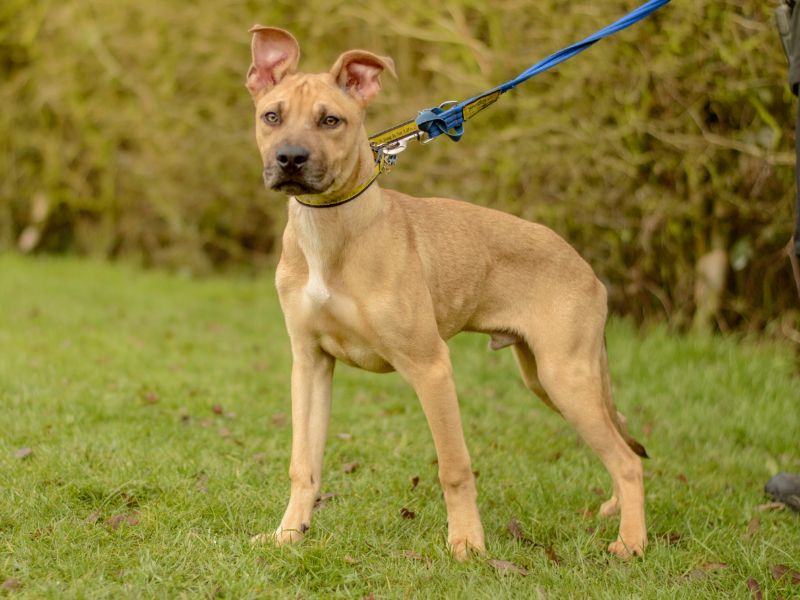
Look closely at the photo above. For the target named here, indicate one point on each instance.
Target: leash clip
(392, 150)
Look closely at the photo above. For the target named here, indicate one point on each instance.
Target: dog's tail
(619, 420)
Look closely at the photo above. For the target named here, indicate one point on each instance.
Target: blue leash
(437, 121)
(449, 121)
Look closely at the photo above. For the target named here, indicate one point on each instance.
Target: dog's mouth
(293, 184)
(294, 187)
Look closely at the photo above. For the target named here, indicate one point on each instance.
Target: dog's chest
(322, 299)
(341, 329)
(332, 315)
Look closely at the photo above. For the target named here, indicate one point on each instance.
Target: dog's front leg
(312, 374)
(432, 379)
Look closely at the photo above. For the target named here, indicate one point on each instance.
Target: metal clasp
(396, 148)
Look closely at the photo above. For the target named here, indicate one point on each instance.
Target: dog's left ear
(358, 73)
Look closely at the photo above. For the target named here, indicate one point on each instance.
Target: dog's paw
(462, 547)
(609, 508)
(280, 537)
(626, 550)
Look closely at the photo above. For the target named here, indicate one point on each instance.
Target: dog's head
(308, 125)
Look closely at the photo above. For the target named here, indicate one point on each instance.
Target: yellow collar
(325, 201)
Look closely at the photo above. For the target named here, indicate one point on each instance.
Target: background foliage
(663, 155)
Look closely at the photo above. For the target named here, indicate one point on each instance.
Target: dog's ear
(275, 55)
(358, 73)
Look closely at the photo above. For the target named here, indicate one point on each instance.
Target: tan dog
(383, 281)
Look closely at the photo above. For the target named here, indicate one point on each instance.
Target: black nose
(291, 158)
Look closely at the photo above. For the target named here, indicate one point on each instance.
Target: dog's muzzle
(293, 172)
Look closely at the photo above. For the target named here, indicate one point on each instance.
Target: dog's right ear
(275, 55)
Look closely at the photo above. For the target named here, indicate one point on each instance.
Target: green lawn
(155, 409)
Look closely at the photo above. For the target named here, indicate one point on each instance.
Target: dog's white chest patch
(316, 290)
(312, 244)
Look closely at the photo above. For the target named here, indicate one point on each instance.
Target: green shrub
(126, 131)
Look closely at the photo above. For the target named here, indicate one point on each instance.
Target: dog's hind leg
(526, 362)
(611, 506)
(565, 362)
(530, 375)
(574, 382)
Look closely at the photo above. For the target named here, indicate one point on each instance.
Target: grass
(137, 488)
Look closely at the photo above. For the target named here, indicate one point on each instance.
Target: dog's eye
(271, 118)
(330, 121)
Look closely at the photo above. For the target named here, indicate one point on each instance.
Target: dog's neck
(327, 231)
(324, 234)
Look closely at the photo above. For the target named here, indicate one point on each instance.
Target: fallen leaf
(516, 531)
(217, 409)
(753, 525)
(704, 569)
(505, 567)
(350, 560)
(413, 555)
(551, 555)
(407, 514)
(344, 436)
(369, 597)
(320, 502)
(149, 396)
(587, 513)
(11, 584)
(770, 506)
(414, 482)
(755, 589)
(123, 519)
(785, 572)
(279, 419)
(598, 491)
(23, 453)
(129, 499)
(682, 478)
(93, 518)
(349, 467)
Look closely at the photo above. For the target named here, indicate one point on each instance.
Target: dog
(381, 282)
